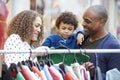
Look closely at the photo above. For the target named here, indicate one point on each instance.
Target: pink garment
(54, 76)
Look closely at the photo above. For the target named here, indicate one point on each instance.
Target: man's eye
(87, 21)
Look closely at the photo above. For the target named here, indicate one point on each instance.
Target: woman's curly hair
(67, 18)
(22, 24)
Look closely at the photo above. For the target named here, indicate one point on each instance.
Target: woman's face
(37, 24)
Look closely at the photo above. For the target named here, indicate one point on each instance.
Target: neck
(97, 36)
(28, 41)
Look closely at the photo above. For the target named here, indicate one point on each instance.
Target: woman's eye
(37, 25)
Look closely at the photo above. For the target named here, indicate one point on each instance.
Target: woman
(25, 32)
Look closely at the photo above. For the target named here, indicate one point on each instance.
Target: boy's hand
(80, 38)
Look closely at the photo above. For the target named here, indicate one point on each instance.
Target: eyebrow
(88, 19)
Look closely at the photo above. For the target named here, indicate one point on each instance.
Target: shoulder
(111, 41)
(13, 38)
(111, 38)
(14, 41)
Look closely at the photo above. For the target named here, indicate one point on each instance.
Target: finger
(82, 39)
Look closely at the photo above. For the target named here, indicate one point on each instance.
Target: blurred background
(50, 9)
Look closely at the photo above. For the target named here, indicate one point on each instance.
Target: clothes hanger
(82, 57)
(49, 61)
(30, 53)
(75, 59)
(63, 47)
(38, 66)
(19, 65)
(42, 61)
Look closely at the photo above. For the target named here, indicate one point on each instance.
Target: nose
(66, 30)
(38, 29)
(83, 23)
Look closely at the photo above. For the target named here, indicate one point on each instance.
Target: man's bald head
(100, 11)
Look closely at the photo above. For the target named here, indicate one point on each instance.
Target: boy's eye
(70, 29)
(64, 28)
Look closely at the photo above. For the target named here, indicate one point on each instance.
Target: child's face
(65, 30)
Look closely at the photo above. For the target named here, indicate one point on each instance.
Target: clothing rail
(59, 51)
(64, 51)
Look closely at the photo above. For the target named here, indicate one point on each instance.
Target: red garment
(14, 73)
(68, 76)
(25, 74)
(53, 74)
(3, 17)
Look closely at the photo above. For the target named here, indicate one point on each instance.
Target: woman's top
(15, 43)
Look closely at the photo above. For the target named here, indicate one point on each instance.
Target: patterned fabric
(15, 43)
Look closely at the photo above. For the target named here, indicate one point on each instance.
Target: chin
(86, 32)
(34, 39)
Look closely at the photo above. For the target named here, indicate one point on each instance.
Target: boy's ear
(57, 28)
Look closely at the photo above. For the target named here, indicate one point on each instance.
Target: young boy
(66, 24)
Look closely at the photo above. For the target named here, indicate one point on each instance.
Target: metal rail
(64, 51)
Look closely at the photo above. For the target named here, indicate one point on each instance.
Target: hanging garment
(70, 70)
(77, 70)
(36, 70)
(58, 71)
(6, 75)
(98, 74)
(68, 58)
(113, 74)
(19, 76)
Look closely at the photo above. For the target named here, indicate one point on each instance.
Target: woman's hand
(40, 53)
(80, 38)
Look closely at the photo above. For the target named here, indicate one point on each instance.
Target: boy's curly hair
(22, 24)
(67, 18)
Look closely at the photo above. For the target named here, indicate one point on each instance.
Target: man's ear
(102, 21)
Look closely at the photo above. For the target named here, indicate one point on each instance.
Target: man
(94, 20)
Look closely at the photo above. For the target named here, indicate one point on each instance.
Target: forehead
(90, 15)
(66, 25)
(38, 20)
